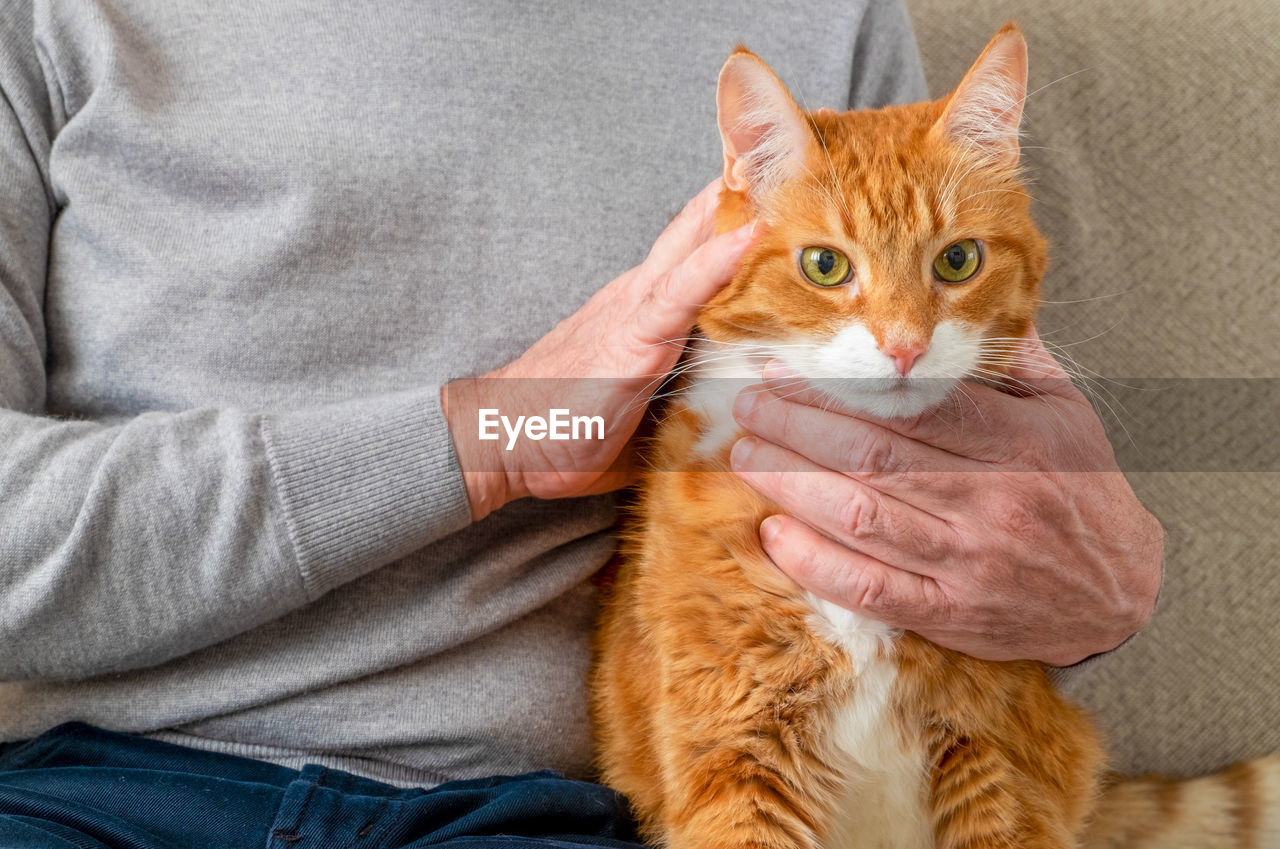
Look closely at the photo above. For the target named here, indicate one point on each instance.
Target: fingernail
(770, 528)
(745, 234)
(744, 404)
(741, 451)
(776, 371)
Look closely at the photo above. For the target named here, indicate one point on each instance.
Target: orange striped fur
(732, 708)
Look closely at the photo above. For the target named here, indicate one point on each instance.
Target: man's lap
(78, 786)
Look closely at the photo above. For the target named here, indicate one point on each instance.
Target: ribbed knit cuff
(364, 483)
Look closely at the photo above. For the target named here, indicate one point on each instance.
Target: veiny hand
(606, 359)
(1000, 526)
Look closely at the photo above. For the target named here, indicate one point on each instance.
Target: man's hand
(605, 360)
(999, 526)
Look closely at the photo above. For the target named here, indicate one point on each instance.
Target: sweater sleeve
(886, 60)
(124, 544)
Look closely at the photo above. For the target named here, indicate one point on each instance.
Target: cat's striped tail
(1238, 808)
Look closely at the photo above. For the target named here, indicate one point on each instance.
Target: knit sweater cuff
(362, 484)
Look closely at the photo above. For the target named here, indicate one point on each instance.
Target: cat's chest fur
(884, 801)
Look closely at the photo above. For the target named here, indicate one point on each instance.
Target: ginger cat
(734, 709)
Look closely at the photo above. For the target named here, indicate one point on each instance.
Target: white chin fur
(852, 369)
(849, 367)
(887, 399)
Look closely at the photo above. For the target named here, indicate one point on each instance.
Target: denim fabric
(79, 787)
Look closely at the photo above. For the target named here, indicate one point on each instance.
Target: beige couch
(1154, 145)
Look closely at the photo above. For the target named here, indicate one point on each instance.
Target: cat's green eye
(824, 266)
(958, 262)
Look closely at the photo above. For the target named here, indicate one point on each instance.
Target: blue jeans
(78, 787)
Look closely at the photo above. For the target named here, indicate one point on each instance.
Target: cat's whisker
(697, 359)
(834, 195)
(1087, 300)
(1013, 346)
(971, 154)
(1066, 431)
(1012, 174)
(644, 396)
(676, 340)
(1097, 335)
(1096, 393)
(1038, 368)
(989, 192)
(1058, 80)
(835, 177)
(952, 176)
(1042, 147)
(962, 390)
(959, 158)
(1099, 395)
(802, 386)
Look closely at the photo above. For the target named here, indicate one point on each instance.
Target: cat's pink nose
(905, 356)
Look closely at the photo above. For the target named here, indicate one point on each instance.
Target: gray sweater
(242, 245)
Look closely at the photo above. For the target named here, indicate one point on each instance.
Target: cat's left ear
(985, 110)
(766, 136)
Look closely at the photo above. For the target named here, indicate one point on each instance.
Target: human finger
(692, 226)
(670, 302)
(860, 517)
(846, 444)
(849, 579)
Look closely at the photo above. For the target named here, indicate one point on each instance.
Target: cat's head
(899, 255)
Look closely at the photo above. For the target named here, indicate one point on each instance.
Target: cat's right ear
(765, 135)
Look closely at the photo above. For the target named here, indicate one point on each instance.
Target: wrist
(489, 483)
